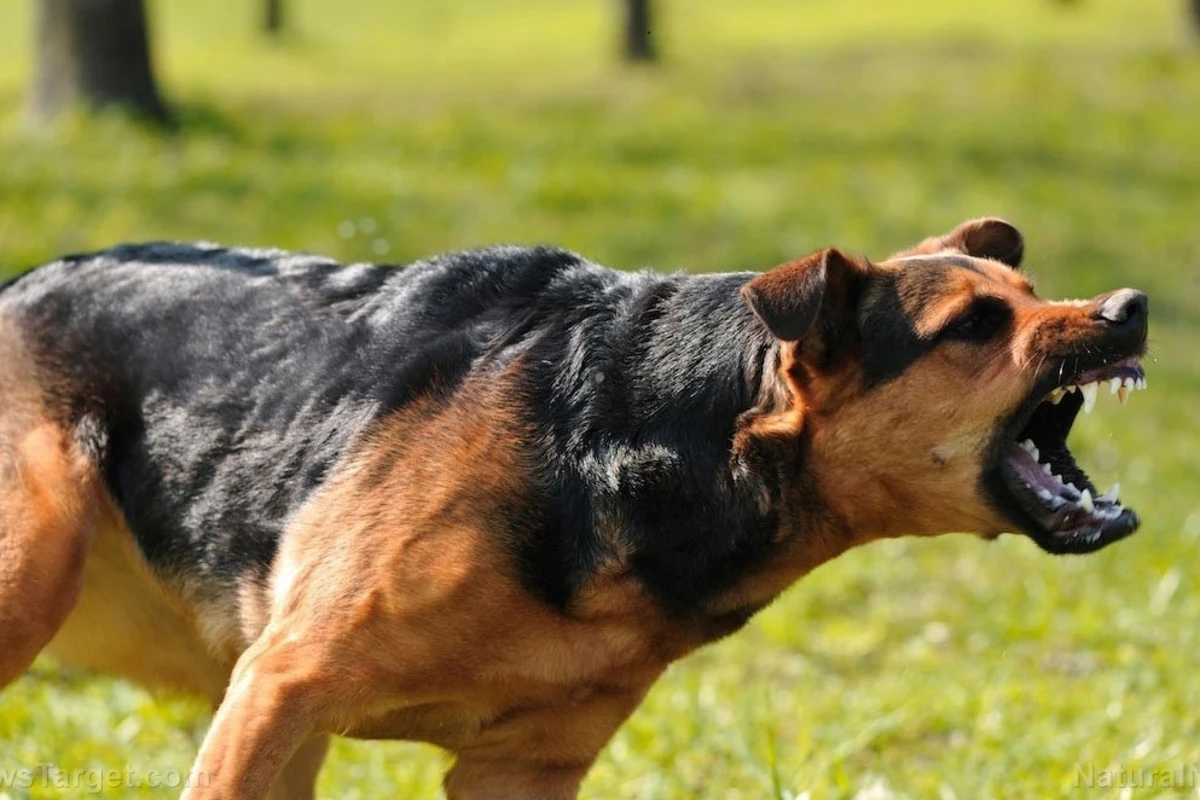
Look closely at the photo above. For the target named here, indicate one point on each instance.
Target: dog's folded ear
(791, 298)
(988, 237)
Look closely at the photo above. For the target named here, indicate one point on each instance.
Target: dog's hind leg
(48, 505)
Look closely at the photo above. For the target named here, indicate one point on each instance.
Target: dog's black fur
(219, 388)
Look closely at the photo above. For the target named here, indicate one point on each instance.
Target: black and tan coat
(484, 500)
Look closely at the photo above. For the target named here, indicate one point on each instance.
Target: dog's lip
(1041, 486)
(1120, 378)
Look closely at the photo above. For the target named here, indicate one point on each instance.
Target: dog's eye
(985, 318)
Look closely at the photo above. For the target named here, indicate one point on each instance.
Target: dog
(484, 500)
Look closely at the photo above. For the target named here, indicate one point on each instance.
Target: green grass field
(388, 130)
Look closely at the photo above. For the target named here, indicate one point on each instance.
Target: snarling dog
(484, 500)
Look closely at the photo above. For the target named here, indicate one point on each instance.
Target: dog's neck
(699, 516)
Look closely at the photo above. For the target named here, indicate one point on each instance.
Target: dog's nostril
(1122, 306)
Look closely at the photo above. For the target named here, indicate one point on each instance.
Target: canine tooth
(1113, 385)
(1089, 396)
(1085, 501)
(1123, 395)
(1112, 493)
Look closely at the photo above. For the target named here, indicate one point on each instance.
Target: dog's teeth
(1113, 385)
(1057, 395)
(1141, 383)
(1123, 395)
(1045, 495)
(1085, 501)
(1027, 446)
(1072, 388)
(1089, 390)
(1129, 383)
(1046, 469)
(1111, 494)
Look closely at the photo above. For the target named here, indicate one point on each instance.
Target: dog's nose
(1123, 307)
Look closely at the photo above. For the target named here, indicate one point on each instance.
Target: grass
(389, 130)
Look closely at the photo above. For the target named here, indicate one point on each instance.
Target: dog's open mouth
(1056, 501)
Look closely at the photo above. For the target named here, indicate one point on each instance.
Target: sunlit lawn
(388, 130)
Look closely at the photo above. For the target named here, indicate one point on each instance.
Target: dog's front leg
(272, 707)
(513, 780)
(543, 753)
(298, 781)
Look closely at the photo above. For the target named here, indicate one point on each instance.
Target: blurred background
(701, 135)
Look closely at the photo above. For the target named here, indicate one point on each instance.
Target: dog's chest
(506, 681)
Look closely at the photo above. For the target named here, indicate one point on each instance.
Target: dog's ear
(792, 298)
(988, 237)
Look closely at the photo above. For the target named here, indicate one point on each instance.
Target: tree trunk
(94, 52)
(638, 39)
(273, 17)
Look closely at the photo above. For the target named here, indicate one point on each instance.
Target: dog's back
(217, 388)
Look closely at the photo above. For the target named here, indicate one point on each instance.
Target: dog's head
(933, 392)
